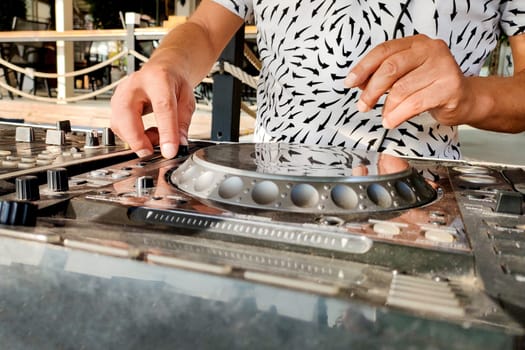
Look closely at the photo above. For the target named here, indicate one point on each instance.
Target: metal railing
(128, 36)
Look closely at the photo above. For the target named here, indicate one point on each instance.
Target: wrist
(480, 102)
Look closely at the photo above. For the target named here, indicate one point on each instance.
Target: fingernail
(350, 80)
(386, 123)
(143, 153)
(362, 107)
(168, 150)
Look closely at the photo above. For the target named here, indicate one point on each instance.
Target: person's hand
(419, 73)
(386, 165)
(159, 88)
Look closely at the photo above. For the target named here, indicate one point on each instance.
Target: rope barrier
(252, 57)
(238, 73)
(66, 99)
(32, 73)
(25, 94)
(138, 55)
(248, 110)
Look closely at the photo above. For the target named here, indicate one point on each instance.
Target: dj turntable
(259, 245)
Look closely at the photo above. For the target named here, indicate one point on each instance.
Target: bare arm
(165, 83)
(500, 105)
(196, 44)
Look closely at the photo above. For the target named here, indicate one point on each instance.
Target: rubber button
(386, 229)
(441, 236)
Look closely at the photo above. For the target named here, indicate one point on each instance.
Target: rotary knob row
(58, 137)
(27, 187)
(22, 212)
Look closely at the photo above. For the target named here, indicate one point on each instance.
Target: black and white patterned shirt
(307, 47)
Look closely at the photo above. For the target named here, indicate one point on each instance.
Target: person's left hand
(419, 73)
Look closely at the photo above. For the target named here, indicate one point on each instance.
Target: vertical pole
(65, 50)
(186, 9)
(157, 13)
(131, 19)
(226, 112)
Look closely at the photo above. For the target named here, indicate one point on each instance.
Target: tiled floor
(96, 114)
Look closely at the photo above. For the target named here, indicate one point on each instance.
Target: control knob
(64, 125)
(92, 139)
(57, 180)
(18, 213)
(108, 137)
(24, 134)
(27, 188)
(144, 183)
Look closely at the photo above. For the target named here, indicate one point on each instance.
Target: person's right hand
(160, 88)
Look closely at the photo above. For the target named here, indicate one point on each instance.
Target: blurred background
(109, 14)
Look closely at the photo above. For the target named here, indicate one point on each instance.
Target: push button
(509, 202)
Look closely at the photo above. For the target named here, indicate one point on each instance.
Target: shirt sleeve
(242, 8)
(512, 17)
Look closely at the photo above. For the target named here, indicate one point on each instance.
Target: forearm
(195, 45)
(187, 47)
(497, 103)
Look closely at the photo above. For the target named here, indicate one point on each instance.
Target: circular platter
(302, 179)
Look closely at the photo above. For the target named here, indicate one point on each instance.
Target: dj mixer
(276, 244)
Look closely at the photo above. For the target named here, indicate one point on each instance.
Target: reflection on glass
(303, 160)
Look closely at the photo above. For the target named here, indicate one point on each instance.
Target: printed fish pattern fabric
(307, 48)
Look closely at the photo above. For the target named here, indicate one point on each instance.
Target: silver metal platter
(302, 179)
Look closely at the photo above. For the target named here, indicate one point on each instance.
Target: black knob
(108, 137)
(92, 139)
(27, 188)
(183, 151)
(64, 125)
(18, 213)
(57, 180)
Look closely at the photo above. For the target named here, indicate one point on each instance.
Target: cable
(397, 27)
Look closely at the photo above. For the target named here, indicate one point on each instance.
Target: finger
(387, 74)
(163, 92)
(185, 109)
(153, 135)
(388, 164)
(418, 79)
(360, 170)
(419, 102)
(126, 118)
(173, 128)
(373, 59)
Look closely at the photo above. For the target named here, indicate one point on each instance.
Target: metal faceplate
(438, 254)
